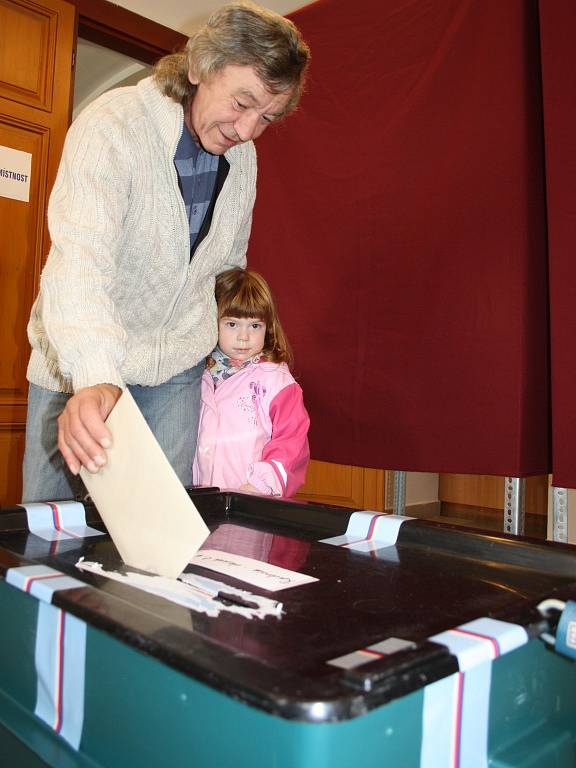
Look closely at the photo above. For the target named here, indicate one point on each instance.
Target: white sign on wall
(15, 169)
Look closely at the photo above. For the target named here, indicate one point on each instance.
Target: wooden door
(36, 54)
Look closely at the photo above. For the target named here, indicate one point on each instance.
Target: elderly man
(153, 199)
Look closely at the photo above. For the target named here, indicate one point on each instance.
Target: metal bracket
(399, 507)
(560, 514)
(514, 504)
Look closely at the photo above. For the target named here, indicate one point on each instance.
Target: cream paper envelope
(150, 517)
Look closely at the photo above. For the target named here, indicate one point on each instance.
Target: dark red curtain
(558, 35)
(401, 223)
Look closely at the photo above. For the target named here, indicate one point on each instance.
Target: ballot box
(306, 636)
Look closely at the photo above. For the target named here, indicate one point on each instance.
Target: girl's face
(241, 337)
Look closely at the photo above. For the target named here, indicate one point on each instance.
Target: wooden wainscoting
(346, 486)
(11, 455)
(487, 492)
(479, 500)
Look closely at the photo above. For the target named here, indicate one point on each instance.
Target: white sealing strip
(60, 666)
(481, 640)
(41, 581)
(456, 709)
(259, 573)
(368, 531)
(54, 521)
(439, 714)
(60, 651)
(371, 653)
(455, 720)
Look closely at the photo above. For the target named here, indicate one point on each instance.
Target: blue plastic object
(566, 632)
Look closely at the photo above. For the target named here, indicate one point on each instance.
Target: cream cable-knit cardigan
(120, 302)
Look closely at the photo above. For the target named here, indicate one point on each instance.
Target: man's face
(231, 107)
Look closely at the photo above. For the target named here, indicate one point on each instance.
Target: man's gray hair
(242, 34)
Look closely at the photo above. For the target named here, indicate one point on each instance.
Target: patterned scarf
(224, 367)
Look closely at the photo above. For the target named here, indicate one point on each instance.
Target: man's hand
(82, 434)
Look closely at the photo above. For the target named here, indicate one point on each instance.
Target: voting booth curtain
(401, 222)
(558, 33)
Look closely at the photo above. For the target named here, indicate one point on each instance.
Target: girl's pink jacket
(253, 429)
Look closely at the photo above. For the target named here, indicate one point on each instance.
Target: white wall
(421, 487)
(186, 17)
(98, 69)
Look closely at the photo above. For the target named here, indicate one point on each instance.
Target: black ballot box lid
(433, 578)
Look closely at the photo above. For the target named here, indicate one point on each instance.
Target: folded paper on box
(148, 513)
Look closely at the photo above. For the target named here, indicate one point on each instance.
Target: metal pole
(399, 493)
(560, 514)
(514, 504)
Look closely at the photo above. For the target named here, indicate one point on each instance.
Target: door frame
(124, 31)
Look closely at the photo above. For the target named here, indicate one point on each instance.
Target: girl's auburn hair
(244, 293)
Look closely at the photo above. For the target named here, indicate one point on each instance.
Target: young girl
(253, 432)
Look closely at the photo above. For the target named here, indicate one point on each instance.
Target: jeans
(172, 411)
